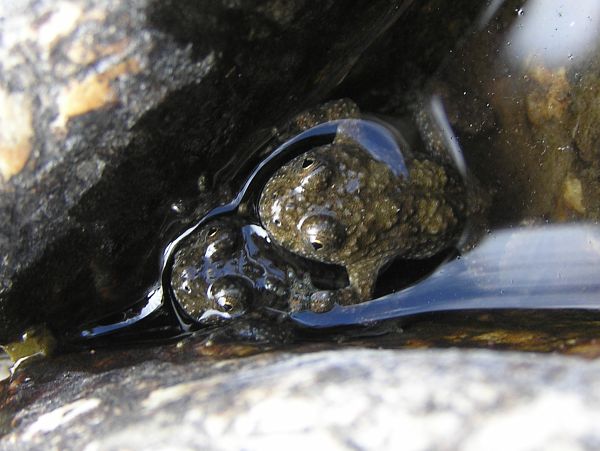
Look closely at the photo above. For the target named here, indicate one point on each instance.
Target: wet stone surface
(345, 399)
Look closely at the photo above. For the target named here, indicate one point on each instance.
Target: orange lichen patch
(80, 97)
(91, 93)
(549, 98)
(16, 131)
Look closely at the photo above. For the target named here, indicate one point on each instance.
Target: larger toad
(338, 204)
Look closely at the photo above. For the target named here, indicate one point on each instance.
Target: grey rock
(342, 399)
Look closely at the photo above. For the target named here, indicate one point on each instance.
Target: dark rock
(352, 399)
(112, 111)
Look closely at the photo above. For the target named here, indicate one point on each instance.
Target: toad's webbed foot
(305, 296)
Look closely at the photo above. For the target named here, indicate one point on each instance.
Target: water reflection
(552, 267)
(553, 32)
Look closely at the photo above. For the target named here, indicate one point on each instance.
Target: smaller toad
(221, 268)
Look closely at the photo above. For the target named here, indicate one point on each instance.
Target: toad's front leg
(362, 277)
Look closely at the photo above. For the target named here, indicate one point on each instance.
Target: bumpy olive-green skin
(337, 204)
(223, 266)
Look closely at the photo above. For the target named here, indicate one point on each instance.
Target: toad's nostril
(308, 162)
(316, 245)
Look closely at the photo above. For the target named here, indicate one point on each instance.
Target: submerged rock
(527, 118)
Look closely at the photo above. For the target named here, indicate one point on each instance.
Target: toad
(338, 203)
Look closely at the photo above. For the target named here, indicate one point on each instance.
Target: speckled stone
(343, 399)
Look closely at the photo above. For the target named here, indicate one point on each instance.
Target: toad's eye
(322, 234)
(231, 294)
